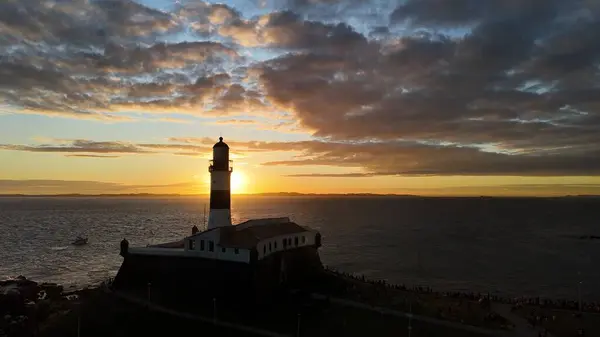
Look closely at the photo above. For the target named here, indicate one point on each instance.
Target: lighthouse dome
(221, 143)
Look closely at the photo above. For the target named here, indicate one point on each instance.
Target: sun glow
(238, 182)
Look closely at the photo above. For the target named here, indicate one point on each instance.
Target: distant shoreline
(288, 194)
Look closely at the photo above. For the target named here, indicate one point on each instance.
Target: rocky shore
(25, 305)
(28, 309)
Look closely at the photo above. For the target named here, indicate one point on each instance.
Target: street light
(78, 311)
(579, 290)
(214, 310)
(410, 319)
(78, 324)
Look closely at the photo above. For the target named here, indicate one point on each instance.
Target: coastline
(294, 194)
(24, 312)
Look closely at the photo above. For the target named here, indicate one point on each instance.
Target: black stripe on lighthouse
(220, 199)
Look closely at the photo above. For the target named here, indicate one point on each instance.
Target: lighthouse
(220, 186)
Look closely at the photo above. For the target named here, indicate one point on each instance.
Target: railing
(211, 166)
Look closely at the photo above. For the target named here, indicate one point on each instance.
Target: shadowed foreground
(103, 313)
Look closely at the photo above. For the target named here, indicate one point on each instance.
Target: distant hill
(142, 195)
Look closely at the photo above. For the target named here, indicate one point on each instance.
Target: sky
(428, 97)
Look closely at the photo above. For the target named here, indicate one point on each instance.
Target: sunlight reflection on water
(512, 247)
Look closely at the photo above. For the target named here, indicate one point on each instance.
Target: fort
(252, 261)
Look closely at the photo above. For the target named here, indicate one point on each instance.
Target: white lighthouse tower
(220, 186)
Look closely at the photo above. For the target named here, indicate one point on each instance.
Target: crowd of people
(516, 302)
(470, 309)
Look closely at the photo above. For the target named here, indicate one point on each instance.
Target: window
(296, 241)
(264, 249)
(223, 250)
(211, 246)
(284, 243)
(303, 239)
(191, 244)
(236, 251)
(275, 245)
(270, 247)
(201, 244)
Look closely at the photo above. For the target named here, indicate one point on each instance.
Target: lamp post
(410, 320)
(579, 291)
(579, 282)
(298, 326)
(214, 310)
(78, 306)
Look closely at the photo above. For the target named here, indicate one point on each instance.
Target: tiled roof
(249, 237)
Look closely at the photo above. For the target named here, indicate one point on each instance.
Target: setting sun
(238, 182)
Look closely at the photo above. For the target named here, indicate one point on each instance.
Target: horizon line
(75, 195)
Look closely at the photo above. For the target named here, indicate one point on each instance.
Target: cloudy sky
(384, 96)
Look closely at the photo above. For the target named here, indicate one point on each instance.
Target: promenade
(209, 320)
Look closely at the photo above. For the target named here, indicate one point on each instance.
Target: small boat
(79, 241)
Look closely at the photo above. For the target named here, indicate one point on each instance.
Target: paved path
(522, 327)
(402, 314)
(156, 307)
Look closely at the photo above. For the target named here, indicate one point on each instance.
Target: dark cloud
(109, 149)
(94, 85)
(80, 22)
(79, 145)
(491, 87)
(332, 175)
(286, 29)
(402, 158)
(522, 82)
(37, 187)
(91, 156)
(372, 157)
(418, 158)
(87, 59)
(428, 13)
(93, 59)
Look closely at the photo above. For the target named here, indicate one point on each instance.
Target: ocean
(509, 247)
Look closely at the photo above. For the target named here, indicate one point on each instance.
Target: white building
(247, 242)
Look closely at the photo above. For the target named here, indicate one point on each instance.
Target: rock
(11, 302)
(53, 290)
(27, 288)
(43, 310)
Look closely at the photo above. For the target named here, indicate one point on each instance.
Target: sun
(238, 182)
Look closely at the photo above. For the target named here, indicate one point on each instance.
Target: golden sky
(418, 97)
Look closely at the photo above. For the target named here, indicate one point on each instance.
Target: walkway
(402, 314)
(158, 308)
(522, 327)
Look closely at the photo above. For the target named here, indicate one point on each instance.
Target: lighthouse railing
(211, 166)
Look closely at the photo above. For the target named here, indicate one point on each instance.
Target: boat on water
(80, 241)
